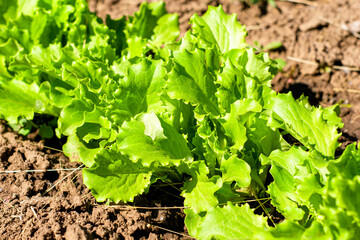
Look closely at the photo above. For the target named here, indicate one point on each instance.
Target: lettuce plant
(138, 107)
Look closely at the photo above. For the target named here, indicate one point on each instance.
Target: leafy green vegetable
(229, 222)
(138, 107)
(119, 177)
(217, 28)
(307, 124)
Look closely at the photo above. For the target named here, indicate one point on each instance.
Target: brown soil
(56, 205)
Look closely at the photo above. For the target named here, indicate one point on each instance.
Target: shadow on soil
(299, 89)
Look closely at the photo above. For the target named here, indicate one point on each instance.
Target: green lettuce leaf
(150, 25)
(307, 124)
(199, 190)
(151, 140)
(296, 183)
(235, 169)
(215, 27)
(190, 80)
(18, 98)
(339, 213)
(228, 222)
(115, 177)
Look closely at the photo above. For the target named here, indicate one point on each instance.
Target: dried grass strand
(335, 67)
(305, 2)
(329, 21)
(171, 231)
(54, 149)
(48, 190)
(300, 60)
(37, 170)
(347, 90)
(33, 210)
(128, 207)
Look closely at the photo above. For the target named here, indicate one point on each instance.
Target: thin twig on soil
(339, 26)
(262, 206)
(17, 216)
(78, 168)
(305, 2)
(347, 90)
(128, 207)
(33, 210)
(84, 196)
(59, 182)
(334, 67)
(168, 185)
(14, 207)
(168, 230)
(346, 68)
(300, 60)
(54, 149)
(25, 227)
(38, 170)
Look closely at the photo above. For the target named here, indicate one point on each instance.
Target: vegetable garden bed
(194, 124)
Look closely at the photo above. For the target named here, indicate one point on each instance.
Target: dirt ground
(321, 46)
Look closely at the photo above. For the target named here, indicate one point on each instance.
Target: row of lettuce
(138, 107)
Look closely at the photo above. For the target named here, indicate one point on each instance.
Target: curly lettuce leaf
(151, 140)
(141, 87)
(348, 164)
(292, 230)
(115, 177)
(235, 169)
(296, 182)
(150, 25)
(228, 222)
(18, 98)
(199, 190)
(340, 212)
(241, 111)
(239, 79)
(217, 28)
(305, 123)
(190, 80)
